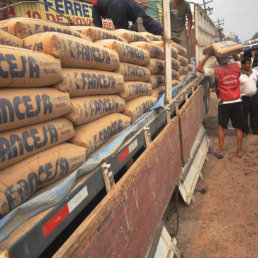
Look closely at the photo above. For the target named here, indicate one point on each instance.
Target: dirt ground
(223, 221)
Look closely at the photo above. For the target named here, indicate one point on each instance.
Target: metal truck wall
(125, 222)
(191, 117)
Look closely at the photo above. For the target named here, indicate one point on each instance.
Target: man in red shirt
(123, 11)
(230, 104)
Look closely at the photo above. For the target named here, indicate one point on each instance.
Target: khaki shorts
(181, 39)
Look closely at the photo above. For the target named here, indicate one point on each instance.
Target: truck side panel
(125, 222)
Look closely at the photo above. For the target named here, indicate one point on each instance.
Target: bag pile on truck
(65, 91)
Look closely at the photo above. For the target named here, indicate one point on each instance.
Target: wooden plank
(190, 117)
(125, 222)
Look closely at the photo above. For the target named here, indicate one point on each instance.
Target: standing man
(248, 89)
(123, 11)
(179, 10)
(230, 103)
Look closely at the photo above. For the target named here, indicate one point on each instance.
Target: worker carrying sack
(130, 36)
(150, 36)
(154, 51)
(183, 71)
(224, 49)
(21, 107)
(156, 66)
(133, 90)
(183, 61)
(157, 93)
(95, 134)
(23, 27)
(82, 82)
(87, 109)
(181, 50)
(127, 53)
(26, 68)
(22, 180)
(157, 80)
(20, 144)
(132, 72)
(136, 107)
(95, 33)
(73, 52)
(10, 40)
(174, 51)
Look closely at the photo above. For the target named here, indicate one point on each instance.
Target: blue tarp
(50, 198)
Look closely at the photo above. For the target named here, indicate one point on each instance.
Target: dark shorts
(234, 112)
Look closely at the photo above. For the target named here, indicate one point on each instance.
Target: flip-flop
(217, 155)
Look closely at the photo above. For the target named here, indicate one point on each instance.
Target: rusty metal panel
(191, 117)
(125, 222)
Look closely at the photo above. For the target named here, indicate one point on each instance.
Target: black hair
(245, 60)
(247, 54)
(255, 63)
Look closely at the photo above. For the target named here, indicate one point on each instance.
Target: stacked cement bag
(33, 127)
(134, 63)
(89, 78)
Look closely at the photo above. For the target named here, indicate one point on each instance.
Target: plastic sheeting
(50, 198)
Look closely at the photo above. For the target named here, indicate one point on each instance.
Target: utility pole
(219, 23)
(206, 8)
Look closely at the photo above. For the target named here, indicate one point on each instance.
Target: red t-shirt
(95, 2)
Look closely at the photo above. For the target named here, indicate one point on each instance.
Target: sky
(240, 16)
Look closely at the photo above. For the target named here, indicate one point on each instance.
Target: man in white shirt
(248, 90)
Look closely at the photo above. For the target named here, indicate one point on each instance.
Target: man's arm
(96, 17)
(200, 66)
(190, 23)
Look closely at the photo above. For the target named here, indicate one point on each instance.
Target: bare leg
(239, 135)
(221, 140)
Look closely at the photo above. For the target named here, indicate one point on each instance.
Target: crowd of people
(236, 82)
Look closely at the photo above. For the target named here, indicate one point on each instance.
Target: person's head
(177, 2)
(223, 61)
(246, 64)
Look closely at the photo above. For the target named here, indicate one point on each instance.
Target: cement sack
(175, 64)
(131, 36)
(157, 93)
(175, 74)
(127, 53)
(181, 50)
(19, 144)
(95, 134)
(174, 51)
(132, 72)
(183, 61)
(156, 66)
(154, 51)
(21, 107)
(175, 83)
(157, 80)
(26, 68)
(190, 68)
(23, 27)
(23, 179)
(182, 78)
(133, 90)
(73, 52)
(10, 40)
(95, 33)
(183, 71)
(87, 109)
(136, 107)
(82, 82)
(224, 49)
(150, 36)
